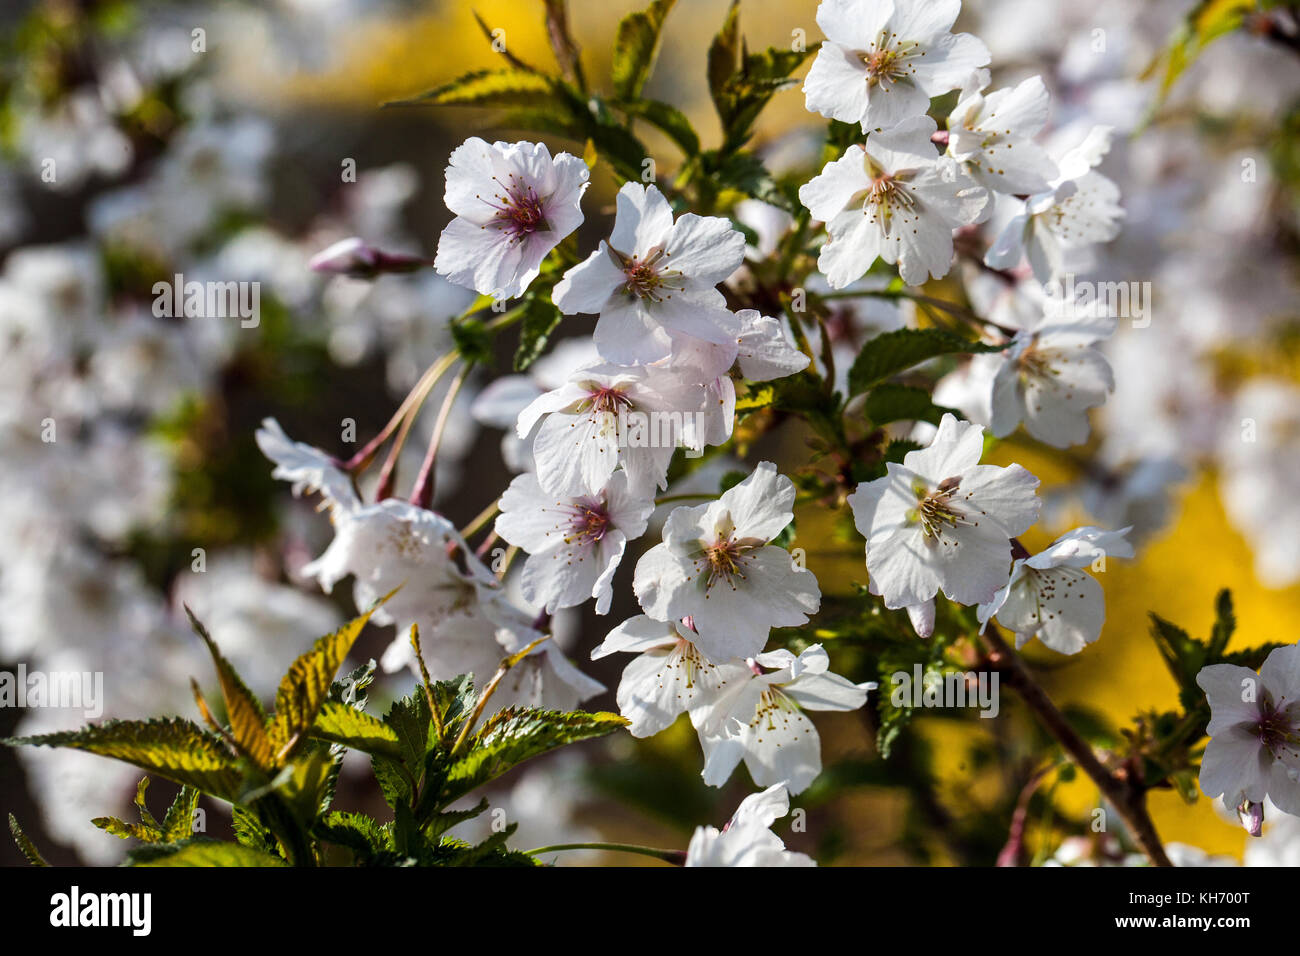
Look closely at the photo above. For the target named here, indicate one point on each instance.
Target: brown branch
(1128, 798)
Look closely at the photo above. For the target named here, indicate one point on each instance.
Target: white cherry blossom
(1079, 209)
(1051, 597)
(991, 135)
(669, 676)
(895, 199)
(747, 839)
(574, 543)
(1254, 748)
(1051, 375)
(941, 521)
(442, 587)
(579, 443)
(310, 469)
(761, 720)
(883, 60)
(654, 277)
(715, 565)
(514, 203)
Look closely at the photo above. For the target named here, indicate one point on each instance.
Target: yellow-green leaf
(212, 853)
(305, 687)
(340, 724)
(248, 723)
(174, 748)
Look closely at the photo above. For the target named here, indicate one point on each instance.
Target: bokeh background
(228, 163)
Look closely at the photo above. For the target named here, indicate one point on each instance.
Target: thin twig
(1128, 799)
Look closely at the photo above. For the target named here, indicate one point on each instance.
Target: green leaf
(444, 821)
(356, 831)
(514, 735)
(173, 748)
(636, 46)
(25, 846)
(1183, 655)
(497, 87)
(724, 54)
(248, 723)
(894, 352)
(746, 173)
(898, 448)
(1204, 23)
(203, 853)
(668, 119)
(540, 319)
(338, 723)
(304, 688)
(178, 823)
(557, 31)
(1225, 622)
(891, 403)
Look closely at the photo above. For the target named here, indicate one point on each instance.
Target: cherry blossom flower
(1051, 375)
(514, 203)
(442, 587)
(310, 469)
(668, 677)
(941, 521)
(1079, 209)
(499, 404)
(883, 60)
(1051, 597)
(585, 434)
(1254, 748)
(546, 678)
(991, 135)
(715, 565)
(574, 544)
(762, 721)
(653, 277)
(747, 839)
(896, 199)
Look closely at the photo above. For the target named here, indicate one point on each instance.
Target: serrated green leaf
(204, 853)
(891, 403)
(305, 687)
(440, 823)
(504, 87)
(1225, 622)
(338, 723)
(248, 721)
(356, 831)
(636, 47)
(894, 352)
(540, 319)
(173, 748)
(514, 735)
(724, 54)
(25, 846)
(668, 119)
(178, 822)
(898, 448)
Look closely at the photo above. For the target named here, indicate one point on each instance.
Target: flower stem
(422, 493)
(361, 460)
(414, 402)
(1127, 797)
(677, 857)
(481, 519)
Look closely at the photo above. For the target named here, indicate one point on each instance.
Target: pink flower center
(590, 520)
(606, 399)
(520, 211)
(1277, 728)
(644, 278)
